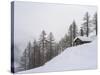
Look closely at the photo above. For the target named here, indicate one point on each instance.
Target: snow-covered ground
(73, 58)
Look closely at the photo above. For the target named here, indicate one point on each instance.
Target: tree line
(38, 52)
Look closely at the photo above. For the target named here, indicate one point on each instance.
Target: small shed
(81, 40)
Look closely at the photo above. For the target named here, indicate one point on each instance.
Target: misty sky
(31, 18)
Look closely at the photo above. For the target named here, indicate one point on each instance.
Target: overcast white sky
(31, 18)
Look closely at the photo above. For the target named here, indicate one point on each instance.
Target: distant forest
(40, 51)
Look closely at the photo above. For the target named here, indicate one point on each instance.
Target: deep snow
(73, 58)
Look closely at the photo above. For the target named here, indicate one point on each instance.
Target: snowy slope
(74, 58)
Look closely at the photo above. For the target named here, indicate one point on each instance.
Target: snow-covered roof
(83, 38)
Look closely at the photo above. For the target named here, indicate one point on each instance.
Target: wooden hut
(81, 40)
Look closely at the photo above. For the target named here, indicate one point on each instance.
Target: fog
(31, 18)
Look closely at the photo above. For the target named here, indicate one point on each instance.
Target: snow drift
(73, 58)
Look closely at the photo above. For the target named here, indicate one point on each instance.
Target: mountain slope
(73, 58)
